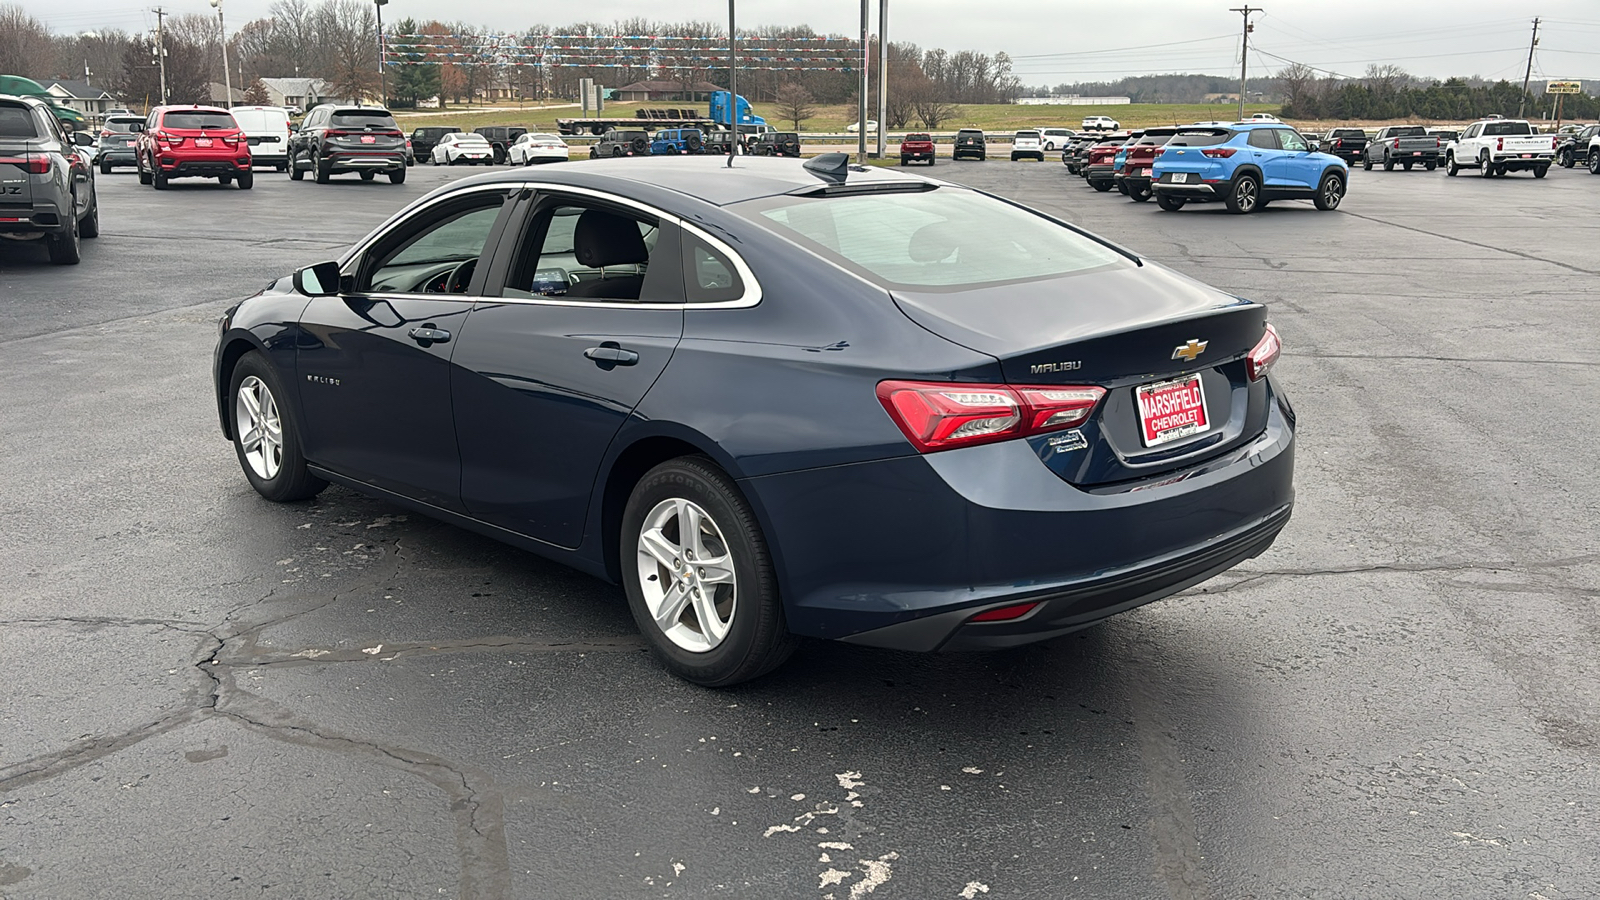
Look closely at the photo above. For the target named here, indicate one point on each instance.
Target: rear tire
(368, 176)
(1101, 186)
(398, 176)
(105, 168)
(1450, 167)
(1169, 202)
(247, 180)
(1539, 171)
(64, 248)
(158, 181)
(324, 172)
(224, 180)
(1485, 168)
(1140, 195)
(278, 474)
(743, 603)
(1430, 165)
(1406, 166)
(1244, 195)
(89, 225)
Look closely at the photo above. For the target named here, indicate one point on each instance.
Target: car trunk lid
(20, 156)
(1158, 343)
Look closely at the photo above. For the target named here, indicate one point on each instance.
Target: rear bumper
(970, 150)
(118, 156)
(1100, 171)
(203, 167)
(42, 217)
(1192, 191)
(904, 552)
(1517, 162)
(372, 160)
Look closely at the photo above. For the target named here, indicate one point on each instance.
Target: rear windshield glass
(918, 137)
(1347, 132)
(786, 136)
(1504, 128)
(1408, 131)
(121, 124)
(197, 119)
(16, 122)
(353, 119)
(1208, 138)
(969, 132)
(1027, 135)
(947, 238)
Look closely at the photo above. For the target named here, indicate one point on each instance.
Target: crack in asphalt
(1454, 359)
(475, 801)
(1528, 256)
(1249, 576)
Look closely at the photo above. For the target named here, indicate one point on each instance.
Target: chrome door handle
(427, 335)
(610, 354)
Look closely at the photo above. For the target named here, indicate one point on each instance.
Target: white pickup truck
(1498, 146)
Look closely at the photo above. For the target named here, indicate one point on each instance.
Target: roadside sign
(1563, 87)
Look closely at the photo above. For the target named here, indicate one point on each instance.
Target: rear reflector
(942, 416)
(1004, 613)
(1264, 355)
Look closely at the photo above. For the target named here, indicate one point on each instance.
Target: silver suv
(46, 185)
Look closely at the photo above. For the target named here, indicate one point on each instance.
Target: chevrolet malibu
(778, 400)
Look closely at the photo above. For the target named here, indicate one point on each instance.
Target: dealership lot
(211, 695)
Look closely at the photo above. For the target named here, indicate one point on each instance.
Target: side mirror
(83, 139)
(320, 280)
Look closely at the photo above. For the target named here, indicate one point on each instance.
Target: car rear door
(555, 364)
(373, 366)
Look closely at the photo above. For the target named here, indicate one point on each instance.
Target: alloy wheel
(260, 430)
(686, 575)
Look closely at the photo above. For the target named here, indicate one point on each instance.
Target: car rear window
(1501, 129)
(948, 238)
(1207, 138)
(350, 118)
(1348, 132)
(1408, 131)
(918, 137)
(17, 122)
(122, 124)
(1027, 135)
(197, 119)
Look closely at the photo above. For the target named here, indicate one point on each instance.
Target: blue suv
(677, 141)
(1246, 166)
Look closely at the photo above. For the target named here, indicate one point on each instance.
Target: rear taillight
(1217, 153)
(941, 416)
(1264, 355)
(33, 164)
(1338, 143)
(1499, 143)
(105, 132)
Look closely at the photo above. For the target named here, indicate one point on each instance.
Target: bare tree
(25, 47)
(347, 28)
(795, 104)
(1298, 82)
(934, 111)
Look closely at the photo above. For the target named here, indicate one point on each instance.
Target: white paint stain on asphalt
(973, 889)
(877, 872)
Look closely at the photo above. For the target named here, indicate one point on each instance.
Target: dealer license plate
(368, 139)
(202, 142)
(1169, 410)
(1416, 153)
(1180, 177)
(1142, 173)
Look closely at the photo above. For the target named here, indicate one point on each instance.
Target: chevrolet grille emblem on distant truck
(1190, 350)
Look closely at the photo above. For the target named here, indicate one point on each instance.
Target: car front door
(590, 309)
(373, 365)
(1295, 165)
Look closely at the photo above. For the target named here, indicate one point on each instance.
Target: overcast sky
(1055, 41)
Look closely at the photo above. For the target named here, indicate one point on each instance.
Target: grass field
(997, 117)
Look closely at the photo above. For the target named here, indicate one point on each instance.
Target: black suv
(970, 142)
(335, 139)
(1574, 148)
(501, 137)
(717, 143)
(424, 139)
(776, 143)
(617, 142)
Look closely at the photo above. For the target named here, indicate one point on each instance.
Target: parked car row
(1245, 165)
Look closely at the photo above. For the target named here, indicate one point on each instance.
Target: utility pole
(733, 88)
(227, 74)
(861, 118)
(161, 52)
(883, 73)
(1244, 50)
(1522, 103)
(383, 74)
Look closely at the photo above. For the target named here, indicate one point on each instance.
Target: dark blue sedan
(778, 400)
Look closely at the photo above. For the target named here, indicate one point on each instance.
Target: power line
(1122, 49)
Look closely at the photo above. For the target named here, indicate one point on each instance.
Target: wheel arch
(228, 358)
(1247, 169)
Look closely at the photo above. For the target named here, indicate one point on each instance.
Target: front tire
(699, 578)
(266, 436)
(144, 177)
(1594, 162)
(1330, 192)
(1366, 162)
(1244, 195)
(1567, 161)
(295, 172)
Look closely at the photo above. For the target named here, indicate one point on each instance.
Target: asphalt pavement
(209, 695)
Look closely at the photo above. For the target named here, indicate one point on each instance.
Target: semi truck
(17, 86)
(650, 119)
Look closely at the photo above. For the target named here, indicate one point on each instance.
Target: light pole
(227, 78)
(383, 76)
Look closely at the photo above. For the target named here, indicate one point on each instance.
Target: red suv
(192, 142)
(1141, 155)
(917, 146)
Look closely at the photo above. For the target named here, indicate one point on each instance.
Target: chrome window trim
(752, 287)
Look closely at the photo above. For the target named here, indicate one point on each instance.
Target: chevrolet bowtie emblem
(1190, 350)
